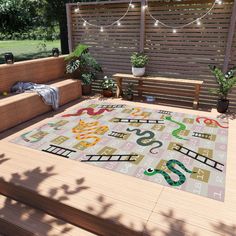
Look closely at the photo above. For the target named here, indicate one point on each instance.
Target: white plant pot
(138, 72)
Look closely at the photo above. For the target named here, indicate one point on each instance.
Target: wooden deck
(109, 203)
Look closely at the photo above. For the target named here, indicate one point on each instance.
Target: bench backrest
(37, 71)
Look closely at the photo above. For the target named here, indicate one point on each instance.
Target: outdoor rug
(179, 150)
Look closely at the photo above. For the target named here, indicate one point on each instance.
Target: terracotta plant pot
(86, 89)
(107, 93)
(222, 105)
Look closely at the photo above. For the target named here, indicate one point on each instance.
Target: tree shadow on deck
(223, 229)
(42, 223)
(167, 223)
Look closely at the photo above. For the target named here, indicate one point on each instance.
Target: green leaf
(79, 50)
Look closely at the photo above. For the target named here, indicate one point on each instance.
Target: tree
(19, 15)
(55, 11)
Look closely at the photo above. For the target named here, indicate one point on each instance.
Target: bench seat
(154, 87)
(18, 108)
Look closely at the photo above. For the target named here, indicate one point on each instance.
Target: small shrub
(139, 60)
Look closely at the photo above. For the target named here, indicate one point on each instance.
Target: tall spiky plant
(226, 81)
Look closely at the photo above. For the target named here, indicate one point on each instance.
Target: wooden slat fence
(185, 54)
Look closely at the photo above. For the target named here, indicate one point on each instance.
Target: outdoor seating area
(18, 108)
(130, 133)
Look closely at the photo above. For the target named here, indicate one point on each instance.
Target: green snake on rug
(182, 127)
(144, 140)
(170, 165)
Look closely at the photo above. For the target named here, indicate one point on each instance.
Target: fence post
(230, 38)
(68, 15)
(142, 26)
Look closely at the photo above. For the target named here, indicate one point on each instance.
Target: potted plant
(226, 82)
(138, 61)
(82, 65)
(107, 85)
(129, 92)
(86, 83)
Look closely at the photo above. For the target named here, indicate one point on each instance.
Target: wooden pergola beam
(68, 15)
(104, 2)
(142, 26)
(230, 38)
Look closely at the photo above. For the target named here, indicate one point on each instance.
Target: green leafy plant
(87, 78)
(226, 81)
(81, 61)
(139, 60)
(107, 83)
(129, 89)
(79, 50)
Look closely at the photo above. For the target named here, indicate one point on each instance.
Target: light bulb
(84, 24)
(174, 31)
(144, 7)
(199, 22)
(118, 23)
(131, 5)
(76, 10)
(156, 23)
(101, 29)
(219, 2)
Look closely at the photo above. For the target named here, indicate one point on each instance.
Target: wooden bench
(170, 81)
(18, 108)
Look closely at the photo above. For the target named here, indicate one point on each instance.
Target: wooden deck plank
(136, 201)
(35, 221)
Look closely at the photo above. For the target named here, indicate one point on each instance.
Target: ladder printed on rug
(112, 106)
(201, 135)
(117, 134)
(60, 151)
(196, 156)
(165, 112)
(124, 120)
(110, 158)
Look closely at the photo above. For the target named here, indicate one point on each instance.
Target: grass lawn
(27, 49)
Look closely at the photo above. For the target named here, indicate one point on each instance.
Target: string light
(76, 10)
(198, 22)
(131, 5)
(156, 23)
(102, 27)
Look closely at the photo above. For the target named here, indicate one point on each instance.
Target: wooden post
(196, 97)
(68, 15)
(142, 26)
(230, 38)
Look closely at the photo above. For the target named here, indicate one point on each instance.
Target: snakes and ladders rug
(186, 152)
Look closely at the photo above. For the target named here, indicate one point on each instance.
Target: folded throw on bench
(49, 94)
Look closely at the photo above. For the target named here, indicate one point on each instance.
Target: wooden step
(22, 220)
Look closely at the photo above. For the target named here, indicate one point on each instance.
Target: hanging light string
(157, 22)
(145, 7)
(117, 22)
